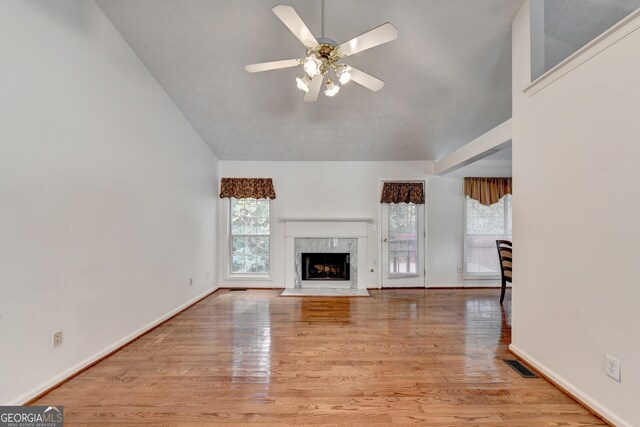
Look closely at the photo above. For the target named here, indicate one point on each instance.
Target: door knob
(385, 239)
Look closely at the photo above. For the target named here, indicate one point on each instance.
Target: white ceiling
(448, 75)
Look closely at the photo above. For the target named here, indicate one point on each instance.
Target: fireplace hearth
(325, 266)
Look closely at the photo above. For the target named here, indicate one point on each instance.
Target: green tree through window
(249, 236)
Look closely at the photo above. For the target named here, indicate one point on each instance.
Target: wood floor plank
(424, 357)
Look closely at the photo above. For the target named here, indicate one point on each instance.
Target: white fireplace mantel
(325, 228)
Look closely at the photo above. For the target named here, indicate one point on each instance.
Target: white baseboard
(257, 285)
(453, 286)
(467, 285)
(576, 393)
(250, 285)
(21, 400)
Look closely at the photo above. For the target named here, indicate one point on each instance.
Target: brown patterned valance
(403, 192)
(247, 188)
(487, 190)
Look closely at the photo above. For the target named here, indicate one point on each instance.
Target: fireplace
(325, 266)
(336, 258)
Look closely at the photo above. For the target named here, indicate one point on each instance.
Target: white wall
(576, 210)
(318, 190)
(108, 196)
(351, 189)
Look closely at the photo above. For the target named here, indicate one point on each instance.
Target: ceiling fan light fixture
(332, 88)
(311, 65)
(303, 83)
(323, 55)
(344, 74)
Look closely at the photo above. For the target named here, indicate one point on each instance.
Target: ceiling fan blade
(366, 80)
(292, 20)
(379, 35)
(314, 89)
(273, 65)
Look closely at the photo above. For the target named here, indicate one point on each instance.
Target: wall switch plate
(57, 339)
(190, 282)
(459, 269)
(612, 367)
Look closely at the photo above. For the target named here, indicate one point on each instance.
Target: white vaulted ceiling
(448, 76)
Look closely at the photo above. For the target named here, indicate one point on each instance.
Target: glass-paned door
(402, 245)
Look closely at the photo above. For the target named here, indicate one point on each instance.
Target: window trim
(475, 276)
(229, 274)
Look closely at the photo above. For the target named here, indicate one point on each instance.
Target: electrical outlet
(612, 368)
(57, 339)
(190, 282)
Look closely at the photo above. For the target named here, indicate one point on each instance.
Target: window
(249, 236)
(483, 226)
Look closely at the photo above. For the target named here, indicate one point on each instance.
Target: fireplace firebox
(325, 266)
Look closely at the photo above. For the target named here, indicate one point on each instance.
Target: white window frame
(474, 276)
(229, 274)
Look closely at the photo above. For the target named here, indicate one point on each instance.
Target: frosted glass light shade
(332, 88)
(344, 74)
(303, 83)
(312, 65)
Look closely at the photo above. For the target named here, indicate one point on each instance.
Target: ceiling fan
(323, 56)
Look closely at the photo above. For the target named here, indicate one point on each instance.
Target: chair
(505, 253)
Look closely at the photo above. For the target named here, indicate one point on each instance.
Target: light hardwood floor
(428, 357)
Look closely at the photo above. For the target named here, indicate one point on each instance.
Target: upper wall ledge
(325, 219)
(610, 37)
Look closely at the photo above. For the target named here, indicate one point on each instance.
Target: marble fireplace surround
(326, 245)
(326, 235)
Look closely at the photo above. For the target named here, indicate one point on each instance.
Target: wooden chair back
(505, 253)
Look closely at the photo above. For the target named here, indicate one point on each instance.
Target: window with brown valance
(487, 191)
(403, 192)
(247, 188)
